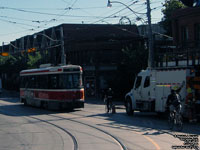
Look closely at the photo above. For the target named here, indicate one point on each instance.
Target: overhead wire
(113, 14)
(70, 8)
(50, 14)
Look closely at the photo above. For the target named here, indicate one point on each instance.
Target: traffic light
(30, 50)
(191, 3)
(4, 54)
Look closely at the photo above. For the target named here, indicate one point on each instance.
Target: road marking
(152, 141)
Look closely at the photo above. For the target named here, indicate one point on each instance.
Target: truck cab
(141, 96)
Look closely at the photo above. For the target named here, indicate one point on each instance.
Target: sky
(19, 18)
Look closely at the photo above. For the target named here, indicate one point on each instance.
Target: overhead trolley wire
(50, 14)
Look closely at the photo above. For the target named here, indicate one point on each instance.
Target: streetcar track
(47, 122)
(147, 138)
(123, 147)
(66, 131)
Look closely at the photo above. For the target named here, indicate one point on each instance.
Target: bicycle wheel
(171, 121)
(179, 122)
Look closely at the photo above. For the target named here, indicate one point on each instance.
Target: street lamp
(35, 36)
(110, 5)
(150, 35)
(63, 56)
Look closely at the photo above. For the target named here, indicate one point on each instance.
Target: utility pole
(150, 37)
(63, 56)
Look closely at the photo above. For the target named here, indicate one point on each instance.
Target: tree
(169, 7)
(135, 58)
(11, 66)
(34, 60)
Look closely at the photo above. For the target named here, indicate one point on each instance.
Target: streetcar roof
(53, 69)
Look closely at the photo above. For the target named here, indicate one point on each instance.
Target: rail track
(15, 113)
(75, 143)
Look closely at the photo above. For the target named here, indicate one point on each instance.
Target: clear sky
(25, 17)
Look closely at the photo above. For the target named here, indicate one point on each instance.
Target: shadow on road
(146, 123)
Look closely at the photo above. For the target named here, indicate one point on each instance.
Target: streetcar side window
(27, 82)
(53, 81)
(43, 81)
(37, 79)
(32, 82)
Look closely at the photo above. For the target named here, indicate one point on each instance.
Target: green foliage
(11, 66)
(34, 60)
(134, 60)
(135, 57)
(169, 7)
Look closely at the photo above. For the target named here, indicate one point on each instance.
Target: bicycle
(176, 119)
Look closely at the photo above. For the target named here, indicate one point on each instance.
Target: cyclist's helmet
(174, 88)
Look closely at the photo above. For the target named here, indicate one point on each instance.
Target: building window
(184, 33)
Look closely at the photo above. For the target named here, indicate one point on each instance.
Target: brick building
(186, 26)
(185, 50)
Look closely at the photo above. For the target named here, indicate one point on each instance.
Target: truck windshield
(138, 82)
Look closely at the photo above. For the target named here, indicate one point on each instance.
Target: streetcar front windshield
(70, 81)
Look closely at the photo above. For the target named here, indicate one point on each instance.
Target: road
(30, 128)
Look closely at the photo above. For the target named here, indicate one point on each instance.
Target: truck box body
(164, 80)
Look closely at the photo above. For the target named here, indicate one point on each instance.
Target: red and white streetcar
(52, 87)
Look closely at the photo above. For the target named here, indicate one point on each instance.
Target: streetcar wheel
(129, 109)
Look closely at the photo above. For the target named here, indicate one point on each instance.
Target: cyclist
(173, 99)
(109, 96)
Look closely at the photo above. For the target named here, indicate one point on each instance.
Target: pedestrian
(109, 97)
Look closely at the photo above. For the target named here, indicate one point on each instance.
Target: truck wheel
(129, 109)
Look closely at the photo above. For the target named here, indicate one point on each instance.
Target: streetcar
(52, 87)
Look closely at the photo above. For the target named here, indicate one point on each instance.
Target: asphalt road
(90, 128)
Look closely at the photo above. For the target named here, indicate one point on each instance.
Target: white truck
(152, 87)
